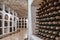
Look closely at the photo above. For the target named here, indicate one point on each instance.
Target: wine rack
(48, 20)
(8, 21)
(22, 23)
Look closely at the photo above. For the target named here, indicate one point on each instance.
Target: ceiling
(20, 6)
(36, 3)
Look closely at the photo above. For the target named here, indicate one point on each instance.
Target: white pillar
(13, 21)
(3, 19)
(27, 22)
(9, 22)
(3, 25)
(24, 22)
(16, 24)
(21, 22)
(29, 19)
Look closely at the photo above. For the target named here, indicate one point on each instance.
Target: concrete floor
(18, 36)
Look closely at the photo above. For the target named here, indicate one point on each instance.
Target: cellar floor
(18, 36)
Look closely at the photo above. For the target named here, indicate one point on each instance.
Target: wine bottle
(50, 31)
(55, 32)
(52, 36)
(57, 38)
(48, 36)
(46, 31)
(59, 34)
(57, 17)
(51, 27)
(58, 7)
(49, 0)
(55, 0)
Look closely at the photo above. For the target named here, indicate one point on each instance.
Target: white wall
(33, 12)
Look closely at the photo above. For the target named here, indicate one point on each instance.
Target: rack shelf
(22, 23)
(48, 20)
(8, 21)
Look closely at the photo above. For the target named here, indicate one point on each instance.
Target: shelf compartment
(1, 7)
(10, 23)
(10, 29)
(5, 30)
(0, 31)
(14, 28)
(6, 17)
(0, 23)
(6, 23)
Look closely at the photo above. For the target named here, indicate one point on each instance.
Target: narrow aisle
(18, 36)
(22, 34)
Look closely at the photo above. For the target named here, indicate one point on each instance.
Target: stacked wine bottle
(48, 20)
